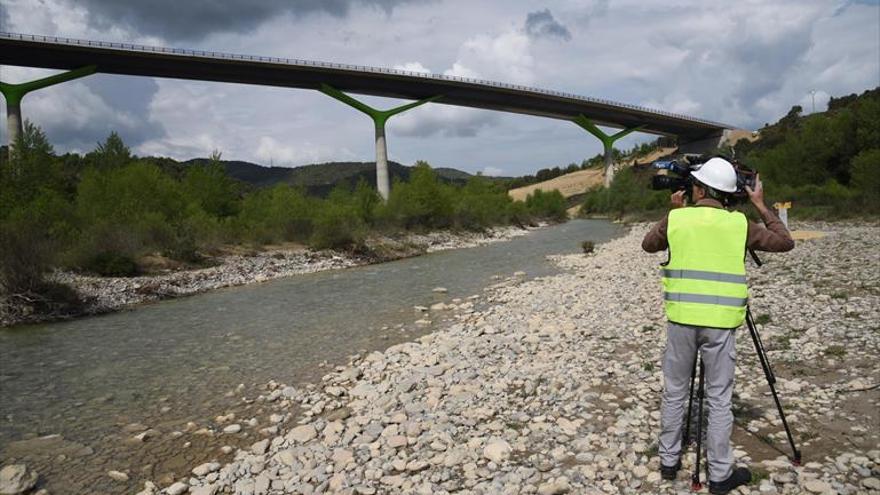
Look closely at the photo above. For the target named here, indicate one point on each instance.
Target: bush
(423, 202)
(112, 264)
(337, 226)
(547, 205)
(866, 177)
(280, 213)
(480, 204)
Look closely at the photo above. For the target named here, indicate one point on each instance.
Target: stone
(554, 488)
(233, 428)
(817, 486)
(439, 290)
(260, 447)
(397, 441)
(640, 471)
(302, 434)
(16, 478)
(177, 488)
(118, 475)
(497, 451)
(209, 489)
(871, 483)
(204, 469)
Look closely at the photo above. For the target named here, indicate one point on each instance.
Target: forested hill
(320, 179)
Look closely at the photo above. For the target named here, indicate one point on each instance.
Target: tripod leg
(685, 439)
(771, 381)
(695, 480)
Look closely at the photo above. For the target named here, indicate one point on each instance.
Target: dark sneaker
(670, 472)
(739, 477)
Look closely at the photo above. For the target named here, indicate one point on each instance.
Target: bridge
(84, 57)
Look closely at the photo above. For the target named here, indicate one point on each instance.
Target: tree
(112, 153)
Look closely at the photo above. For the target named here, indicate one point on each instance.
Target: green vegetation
(762, 319)
(827, 164)
(837, 351)
(105, 211)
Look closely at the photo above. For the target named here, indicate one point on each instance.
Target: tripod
(771, 380)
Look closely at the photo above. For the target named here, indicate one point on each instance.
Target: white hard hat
(718, 174)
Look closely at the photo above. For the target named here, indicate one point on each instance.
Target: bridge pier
(380, 117)
(607, 142)
(13, 93)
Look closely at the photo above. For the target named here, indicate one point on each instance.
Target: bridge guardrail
(342, 66)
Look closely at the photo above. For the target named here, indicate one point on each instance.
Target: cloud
(78, 114)
(413, 67)
(541, 24)
(443, 120)
(195, 19)
(493, 171)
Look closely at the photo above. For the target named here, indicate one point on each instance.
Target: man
(705, 296)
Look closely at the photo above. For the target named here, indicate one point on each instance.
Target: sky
(744, 63)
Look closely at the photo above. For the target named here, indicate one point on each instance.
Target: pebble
(118, 475)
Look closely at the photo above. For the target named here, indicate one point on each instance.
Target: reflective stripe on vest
(705, 279)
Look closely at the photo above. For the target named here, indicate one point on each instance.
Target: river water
(181, 360)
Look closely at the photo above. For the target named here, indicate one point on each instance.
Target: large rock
(16, 478)
(497, 451)
(302, 434)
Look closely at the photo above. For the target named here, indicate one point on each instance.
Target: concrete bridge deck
(122, 58)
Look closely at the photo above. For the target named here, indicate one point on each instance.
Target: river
(176, 361)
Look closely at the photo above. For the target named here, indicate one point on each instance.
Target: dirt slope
(582, 180)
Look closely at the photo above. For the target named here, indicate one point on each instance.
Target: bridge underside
(205, 66)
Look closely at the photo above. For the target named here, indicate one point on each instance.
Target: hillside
(319, 179)
(577, 183)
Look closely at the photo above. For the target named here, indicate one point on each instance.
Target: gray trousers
(719, 357)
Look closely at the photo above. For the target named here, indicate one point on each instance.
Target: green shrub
(111, 264)
(423, 202)
(866, 176)
(547, 205)
(337, 226)
(280, 213)
(480, 204)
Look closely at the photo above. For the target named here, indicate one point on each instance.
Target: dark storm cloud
(129, 99)
(542, 24)
(194, 19)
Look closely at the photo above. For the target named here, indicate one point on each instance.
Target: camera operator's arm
(774, 237)
(655, 240)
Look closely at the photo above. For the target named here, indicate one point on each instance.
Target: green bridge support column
(607, 142)
(15, 92)
(379, 117)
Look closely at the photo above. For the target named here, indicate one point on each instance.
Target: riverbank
(106, 294)
(553, 387)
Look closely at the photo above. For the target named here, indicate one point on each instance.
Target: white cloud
(413, 67)
(493, 171)
(741, 63)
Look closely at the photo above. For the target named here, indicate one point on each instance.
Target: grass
(649, 367)
(762, 319)
(840, 295)
(759, 474)
(835, 351)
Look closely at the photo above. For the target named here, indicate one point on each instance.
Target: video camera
(680, 178)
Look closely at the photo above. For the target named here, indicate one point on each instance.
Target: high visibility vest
(704, 281)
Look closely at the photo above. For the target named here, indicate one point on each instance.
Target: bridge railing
(348, 67)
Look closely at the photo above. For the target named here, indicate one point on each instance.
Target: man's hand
(677, 199)
(756, 195)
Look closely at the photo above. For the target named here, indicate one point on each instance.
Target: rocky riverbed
(106, 294)
(552, 386)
